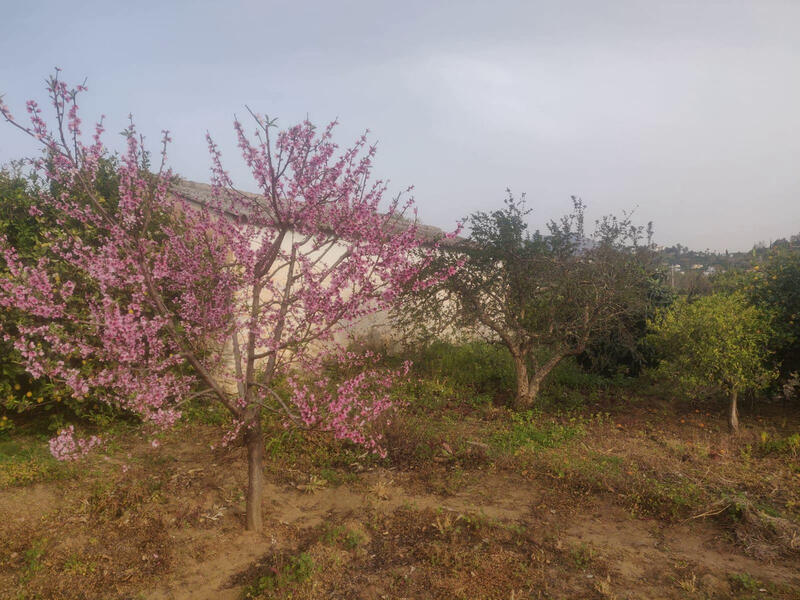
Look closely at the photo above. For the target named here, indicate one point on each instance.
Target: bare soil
(463, 523)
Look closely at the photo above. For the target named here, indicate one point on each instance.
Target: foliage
(29, 230)
(692, 283)
(625, 349)
(157, 291)
(775, 287)
(790, 388)
(733, 280)
(719, 341)
(544, 297)
(481, 367)
(18, 391)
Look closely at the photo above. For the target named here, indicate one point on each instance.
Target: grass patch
(337, 477)
(291, 451)
(780, 445)
(479, 366)
(207, 413)
(582, 555)
(24, 461)
(33, 560)
(294, 570)
(744, 582)
(339, 535)
(530, 430)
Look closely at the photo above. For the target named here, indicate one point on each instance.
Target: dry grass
(623, 499)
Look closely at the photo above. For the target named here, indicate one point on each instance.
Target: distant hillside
(683, 260)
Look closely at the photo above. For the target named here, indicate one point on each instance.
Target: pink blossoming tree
(170, 299)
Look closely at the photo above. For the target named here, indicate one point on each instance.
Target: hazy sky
(687, 111)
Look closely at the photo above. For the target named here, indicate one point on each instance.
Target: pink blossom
(166, 287)
(65, 446)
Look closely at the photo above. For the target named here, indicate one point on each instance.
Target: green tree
(719, 341)
(543, 296)
(775, 287)
(625, 349)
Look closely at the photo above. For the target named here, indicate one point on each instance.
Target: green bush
(481, 367)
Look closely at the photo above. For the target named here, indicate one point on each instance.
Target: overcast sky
(688, 112)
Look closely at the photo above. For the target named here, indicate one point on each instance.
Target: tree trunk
(527, 392)
(521, 369)
(254, 441)
(534, 386)
(733, 417)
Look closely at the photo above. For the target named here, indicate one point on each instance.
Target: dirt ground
(534, 521)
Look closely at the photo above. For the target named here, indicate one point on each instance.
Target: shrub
(481, 367)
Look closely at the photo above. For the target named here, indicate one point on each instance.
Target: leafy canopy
(719, 341)
(543, 295)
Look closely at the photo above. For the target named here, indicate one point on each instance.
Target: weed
(78, 566)
(528, 430)
(284, 443)
(336, 478)
(569, 373)
(296, 570)
(582, 555)
(789, 445)
(481, 367)
(426, 394)
(314, 485)
(745, 582)
(689, 584)
(349, 539)
(33, 557)
(603, 587)
(208, 413)
(381, 489)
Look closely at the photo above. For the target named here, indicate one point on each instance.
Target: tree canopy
(147, 301)
(544, 296)
(719, 341)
